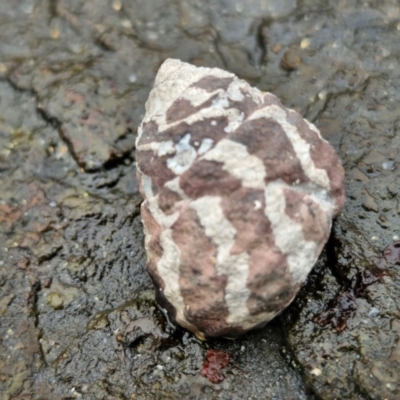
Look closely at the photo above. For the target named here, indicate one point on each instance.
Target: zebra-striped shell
(239, 194)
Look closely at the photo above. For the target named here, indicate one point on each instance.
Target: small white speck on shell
(257, 204)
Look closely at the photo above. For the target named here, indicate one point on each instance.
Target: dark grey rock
(88, 247)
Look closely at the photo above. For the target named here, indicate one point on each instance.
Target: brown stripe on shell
(270, 99)
(199, 130)
(244, 209)
(154, 248)
(208, 178)
(149, 133)
(301, 208)
(266, 139)
(246, 106)
(323, 156)
(211, 83)
(167, 200)
(201, 287)
(269, 279)
(155, 167)
(182, 108)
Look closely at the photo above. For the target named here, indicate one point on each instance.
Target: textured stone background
(77, 314)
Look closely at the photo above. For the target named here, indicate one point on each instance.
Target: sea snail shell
(239, 194)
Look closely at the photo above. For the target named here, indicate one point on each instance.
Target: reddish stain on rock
(343, 307)
(216, 360)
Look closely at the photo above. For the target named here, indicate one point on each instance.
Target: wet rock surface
(78, 317)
